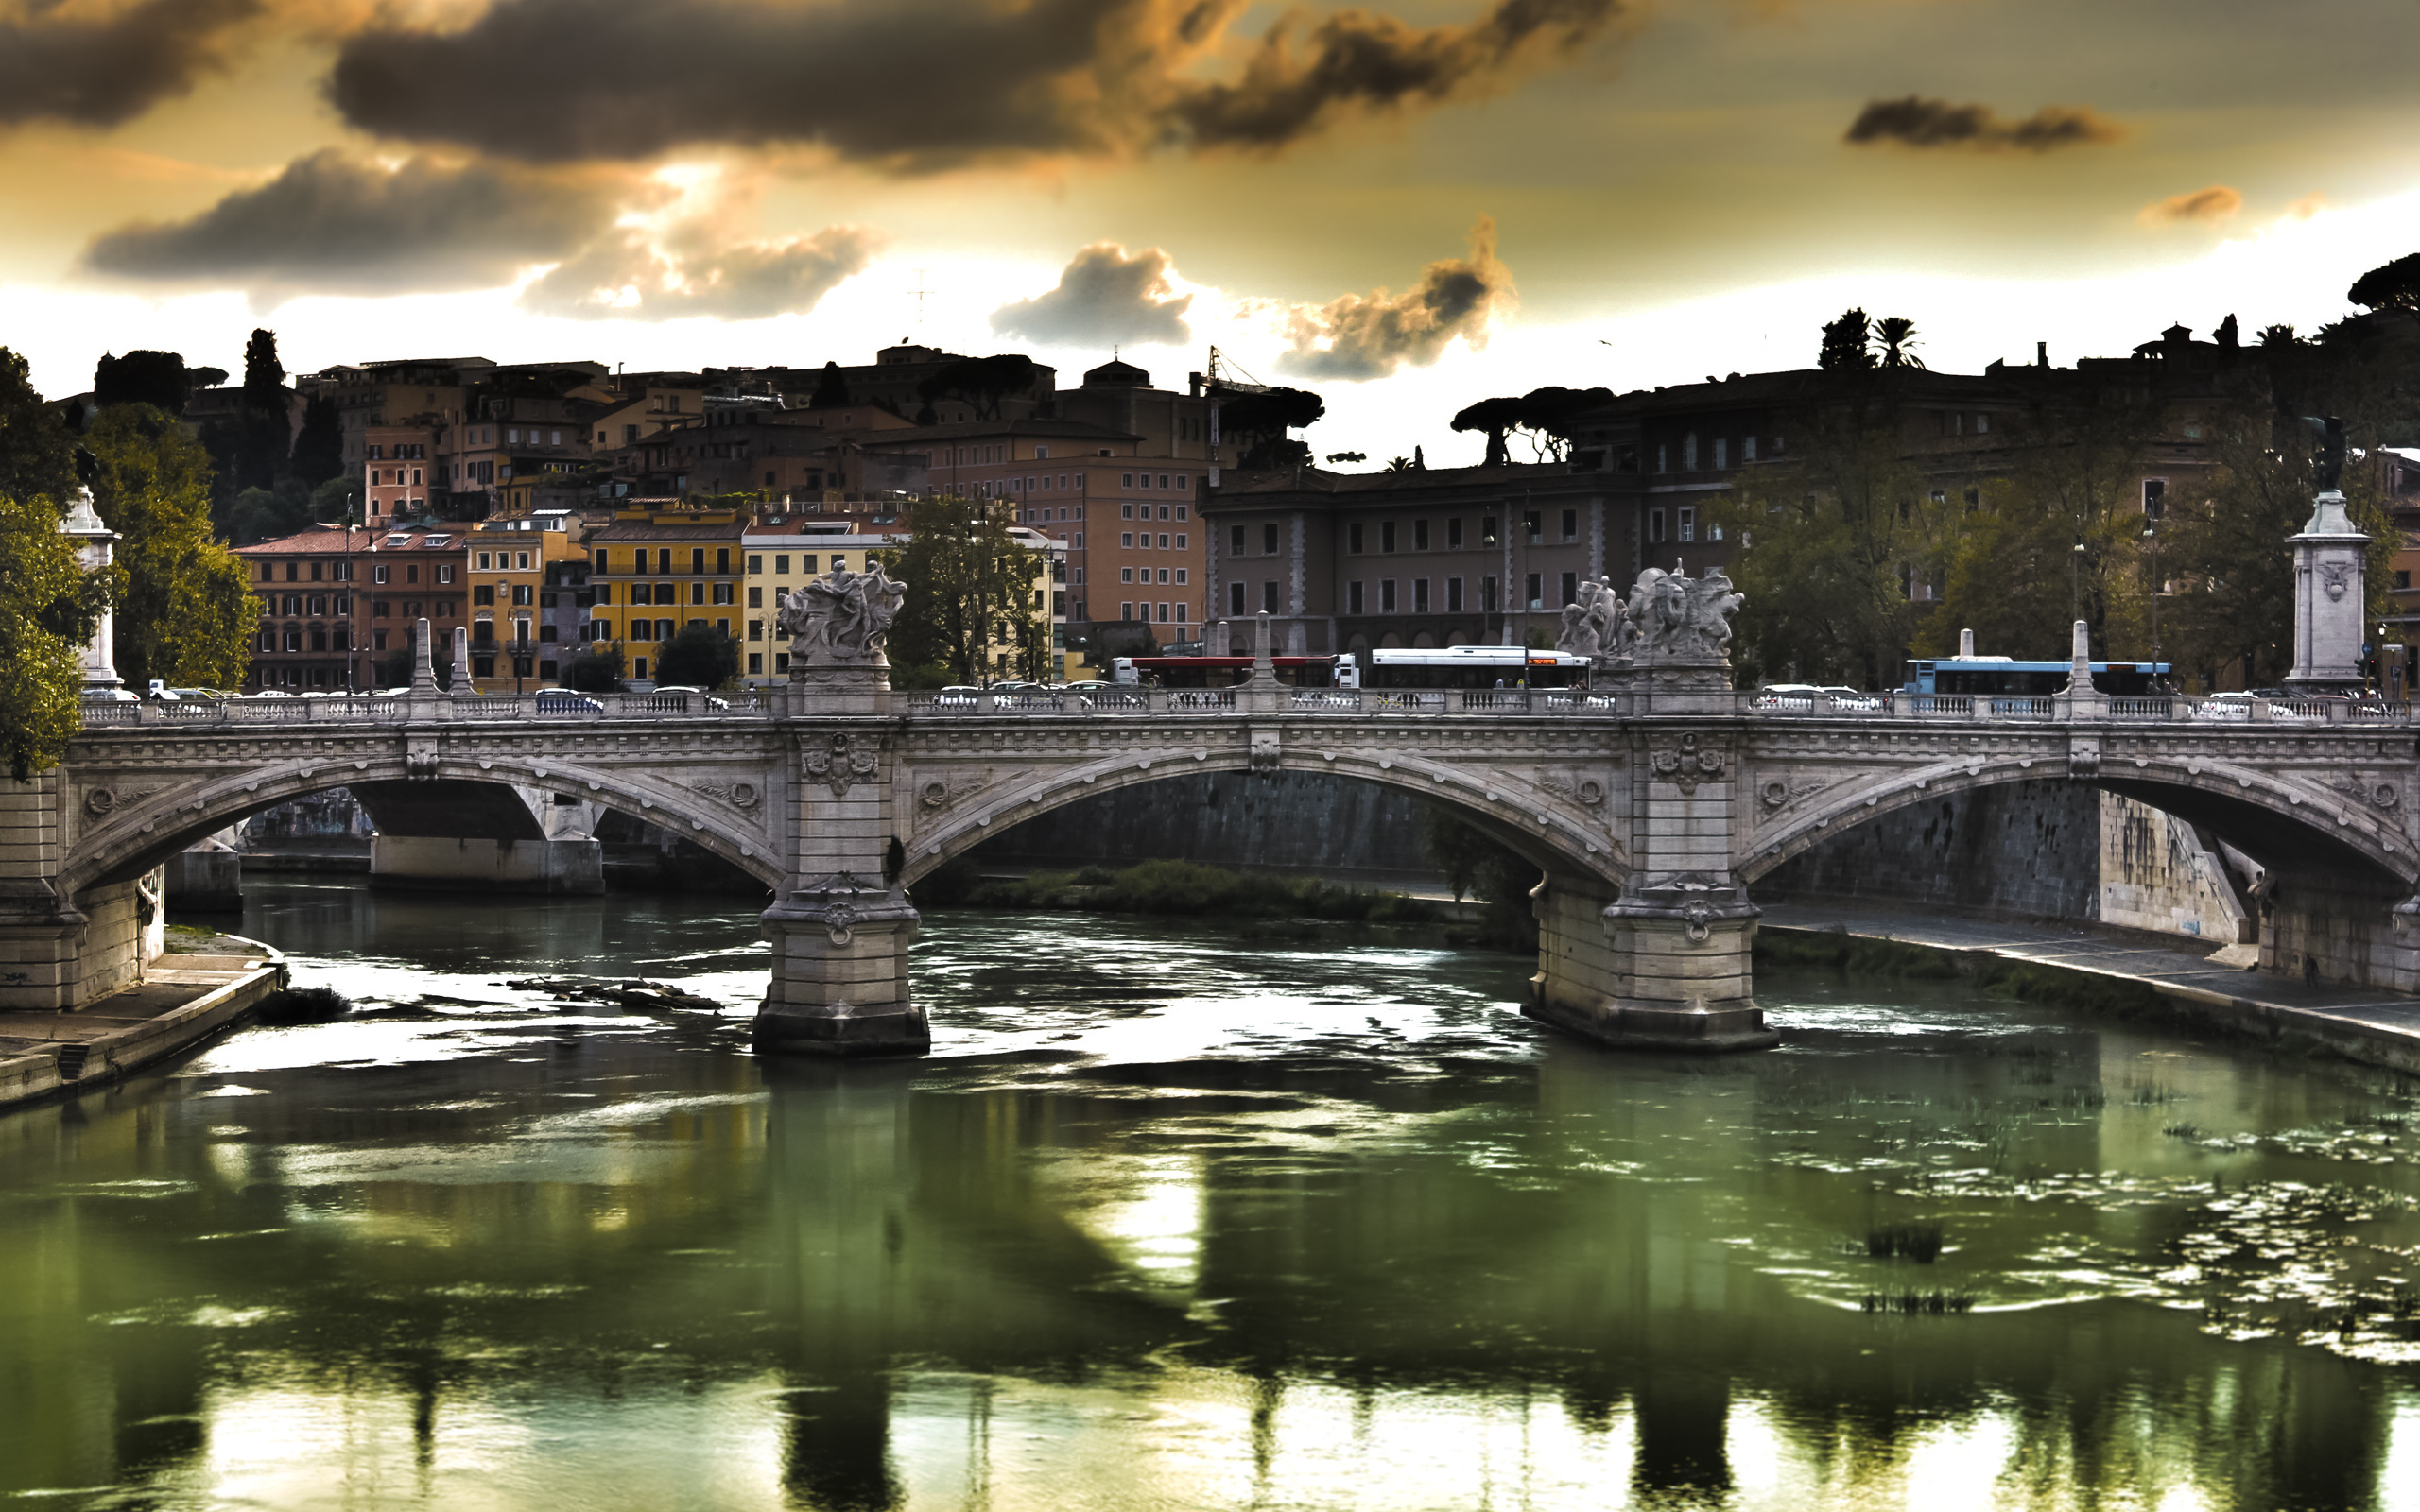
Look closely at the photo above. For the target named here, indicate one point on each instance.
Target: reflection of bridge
(1649, 807)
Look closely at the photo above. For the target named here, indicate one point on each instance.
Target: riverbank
(2206, 986)
(202, 985)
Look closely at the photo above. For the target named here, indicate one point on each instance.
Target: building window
(1534, 596)
(1126, 540)
(1125, 609)
(445, 572)
(722, 593)
(1454, 532)
(1126, 574)
(523, 592)
(756, 663)
(1179, 575)
(1533, 528)
(1269, 596)
(1387, 535)
(1661, 459)
(2155, 498)
(484, 564)
(1654, 528)
(1420, 595)
(1570, 588)
(1689, 452)
(1688, 523)
(1235, 540)
(697, 592)
(1353, 598)
(1236, 595)
(1268, 538)
(482, 594)
(1453, 596)
(755, 598)
(1721, 452)
(1420, 535)
(1487, 594)
(1386, 595)
(1747, 449)
(1571, 524)
(1353, 539)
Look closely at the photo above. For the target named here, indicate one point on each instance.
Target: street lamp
(2151, 533)
(2074, 581)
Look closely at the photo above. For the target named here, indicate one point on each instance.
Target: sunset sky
(1408, 207)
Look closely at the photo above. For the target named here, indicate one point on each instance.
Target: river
(1180, 1215)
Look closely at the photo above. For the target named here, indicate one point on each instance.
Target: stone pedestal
(840, 984)
(1676, 973)
(2084, 700)
(2329, 559)
(95, 548)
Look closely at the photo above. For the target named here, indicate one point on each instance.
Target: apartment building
(793, 456)
(395, 470)
(376, 394)
(653, 573)
(514, 575)
(319, 587)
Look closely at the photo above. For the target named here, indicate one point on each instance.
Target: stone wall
(1286, 821)
(2348, 927)
(2029, 850)
(2159, 873)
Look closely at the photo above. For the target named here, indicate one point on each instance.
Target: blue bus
(2000, 674)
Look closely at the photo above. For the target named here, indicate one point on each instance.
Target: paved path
(2363, 1023)
(185, 999)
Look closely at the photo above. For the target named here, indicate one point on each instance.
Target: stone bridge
(1649, 804)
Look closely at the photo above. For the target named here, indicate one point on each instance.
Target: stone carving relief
(1778, 793)
(1687, 767)
(844, 762)
(841, 617)
(738, 795)
(1581, 789)
(939, 792)
(2336, 578)
(2381, 795)
(101, 802)
(1264, 758)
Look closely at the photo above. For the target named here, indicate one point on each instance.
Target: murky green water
(1175, 1220)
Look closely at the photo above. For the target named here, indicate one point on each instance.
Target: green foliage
(968, 581)
(37, 451)
(1474, 863)
(594, 671)
(1549, 418)
(318, 449)
(699, 657)
(48, 609)
(338, 499)
(187, 615)
(831, 389)
(2018, 579)
(1257, 425)
(158, 379)
(1827, 545)
(267, 514)
(1895, 336)
(981, 382)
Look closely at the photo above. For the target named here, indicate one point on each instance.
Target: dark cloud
(1105, 297)
(625, 277)
(2206, 206)
(1356, 60)
(1371, 336)
(330, 224)
(1917, 122)
(915, 84)
(91, 66)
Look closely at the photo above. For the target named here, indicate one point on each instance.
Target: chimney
(2041, 354)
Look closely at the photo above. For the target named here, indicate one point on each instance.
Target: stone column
(461, 663)
(2329, 558)
(842, 929)
(2085, 701)
(96, 547)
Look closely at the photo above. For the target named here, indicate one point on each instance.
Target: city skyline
(1408, 211)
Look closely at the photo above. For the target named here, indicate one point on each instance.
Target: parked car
(1785, 695)
(710, 701)
(109, 696)
(1851, 698)
(269, 692)
(566, 702)
(957, 696)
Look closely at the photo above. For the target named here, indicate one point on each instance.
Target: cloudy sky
(1408, 206)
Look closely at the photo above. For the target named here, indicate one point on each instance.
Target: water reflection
(1180, 1220)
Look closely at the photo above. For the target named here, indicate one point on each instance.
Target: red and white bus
(1227, 671)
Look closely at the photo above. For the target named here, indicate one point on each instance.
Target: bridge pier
(1666, 966)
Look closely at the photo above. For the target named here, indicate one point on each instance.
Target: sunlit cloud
(1106, 296)
(2202, 207)
(1917, 122)
(1359, 336)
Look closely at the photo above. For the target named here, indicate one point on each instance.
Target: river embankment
(203, 984)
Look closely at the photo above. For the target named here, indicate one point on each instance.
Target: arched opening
(1391, 642)
(1423, 640)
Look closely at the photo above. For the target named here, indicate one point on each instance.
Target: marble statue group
(1668, 617)
(841, 617)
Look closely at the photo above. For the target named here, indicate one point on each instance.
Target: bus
(1228, 671)
(1474, 666)
(2007, 677)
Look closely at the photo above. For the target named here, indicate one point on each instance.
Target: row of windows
(297, 604)
(342, 572)
(645, 630)
(504, 561)
(1126, 574)
(1129, 511)
(1390, 602)
(1684, 525)
(401, 452)
(782, 563)
(1126, 612)
(378, 478)
(1141, 541)
(664, 560)
(522, 593)
(670, 593)
(1721, 452)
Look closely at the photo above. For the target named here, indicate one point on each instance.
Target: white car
(1852, 698)
(1788, 696)
(712, 702)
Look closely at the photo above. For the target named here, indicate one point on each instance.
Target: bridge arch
(2283, 823)
(1562, 834)
(119, 841)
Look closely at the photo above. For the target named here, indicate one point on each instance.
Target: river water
(1176, 1217)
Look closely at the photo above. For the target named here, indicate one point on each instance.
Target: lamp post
(2151, 533)
(2074, 581)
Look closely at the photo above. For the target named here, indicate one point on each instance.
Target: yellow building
(513, 571)
(657, 572)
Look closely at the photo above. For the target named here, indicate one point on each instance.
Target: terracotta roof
(642, 530)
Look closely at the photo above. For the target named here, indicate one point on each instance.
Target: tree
(266, 514)
(395, 669)
(338, 498)
(1496, 418)
(186, 615)
(698, 657)
(256, 454)
(318, 449)
(1846, 346)
(1829, 548)
(969, 586)
(2391, 286)
(1895, 334)
(1473, 862)
(982, 382)
(1549, 418)
(1348, 457)
(831, 389)
(1258, 424)
(596, 671)
(158, 379)
(37, 451)
(1399, 464)
(50, 608)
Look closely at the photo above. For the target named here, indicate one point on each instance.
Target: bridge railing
(372, 709)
